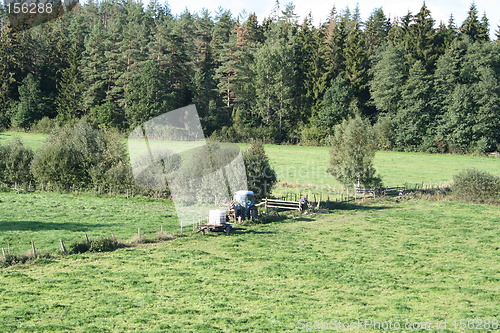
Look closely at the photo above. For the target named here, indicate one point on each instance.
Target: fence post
(3, 254)
(139, 234)
(87, 238)
(33, 249)
(63, 248)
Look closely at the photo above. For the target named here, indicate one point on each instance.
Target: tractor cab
(243, 206)
(245, 199)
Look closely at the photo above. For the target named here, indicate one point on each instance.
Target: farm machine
(241, 207)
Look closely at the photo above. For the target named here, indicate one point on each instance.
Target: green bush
(261, 177)
(311, 135)
(83, 156)
(383, 133)
(352, 153)
(15, 162)
(45, 125)
(14, 259)
(476, 186)
(103, 244)
(79, 247)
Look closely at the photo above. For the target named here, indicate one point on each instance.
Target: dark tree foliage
(119, 63)
(15, 162)
(82, 156)
(352, 152)
(261, 177)
(473, 28)
(32, 104)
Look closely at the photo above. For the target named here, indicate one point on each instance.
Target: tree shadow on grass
(303, 219)
(42, 226)
(350, 206)
(241, 231)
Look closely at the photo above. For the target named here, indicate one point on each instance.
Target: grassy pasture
(33, 140)
(300, 167)
(415, 261)
(45, 218)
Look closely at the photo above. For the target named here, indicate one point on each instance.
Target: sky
(440, 9)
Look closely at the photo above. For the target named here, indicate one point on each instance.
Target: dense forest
(424, 86)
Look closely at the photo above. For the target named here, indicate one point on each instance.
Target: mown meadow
(401, 259)
(46, 218)
(305, 167)
(391, 260)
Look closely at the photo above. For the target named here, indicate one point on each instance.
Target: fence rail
(282, 204)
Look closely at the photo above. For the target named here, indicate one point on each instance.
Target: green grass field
(45, 218)
(409, 261)
(396, 260)
(300, 167)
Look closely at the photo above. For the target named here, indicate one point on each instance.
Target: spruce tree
(356, 66)
(389, 75)
(147, 96)
(377, 29)
(274, 80)
(70, 88)
(421, 38)
(32, 103)
(416, 115)
(473, 28)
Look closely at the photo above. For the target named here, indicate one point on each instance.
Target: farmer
(303, 203)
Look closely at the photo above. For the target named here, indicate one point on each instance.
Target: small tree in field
(260, 176)
(352, 153)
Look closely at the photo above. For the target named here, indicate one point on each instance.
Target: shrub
(103, 244)
(383, 133)
(476, 186)
(14, 259)
(82, 155)
(79, 247)
(261, 177)
(311, 135)
(352, 153)
(15, 162)
(45, 125)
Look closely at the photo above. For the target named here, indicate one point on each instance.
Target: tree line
(119, 63)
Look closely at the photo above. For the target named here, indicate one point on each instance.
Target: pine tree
(70, 87)
(336, 106)
(389, 75)
(377, 29)
(32, 104)
(417, 113)
(421, 38)
(472, 27)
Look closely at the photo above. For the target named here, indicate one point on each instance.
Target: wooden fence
(128, 192)
(282, 204)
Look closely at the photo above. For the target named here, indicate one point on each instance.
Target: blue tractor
(243, 206)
